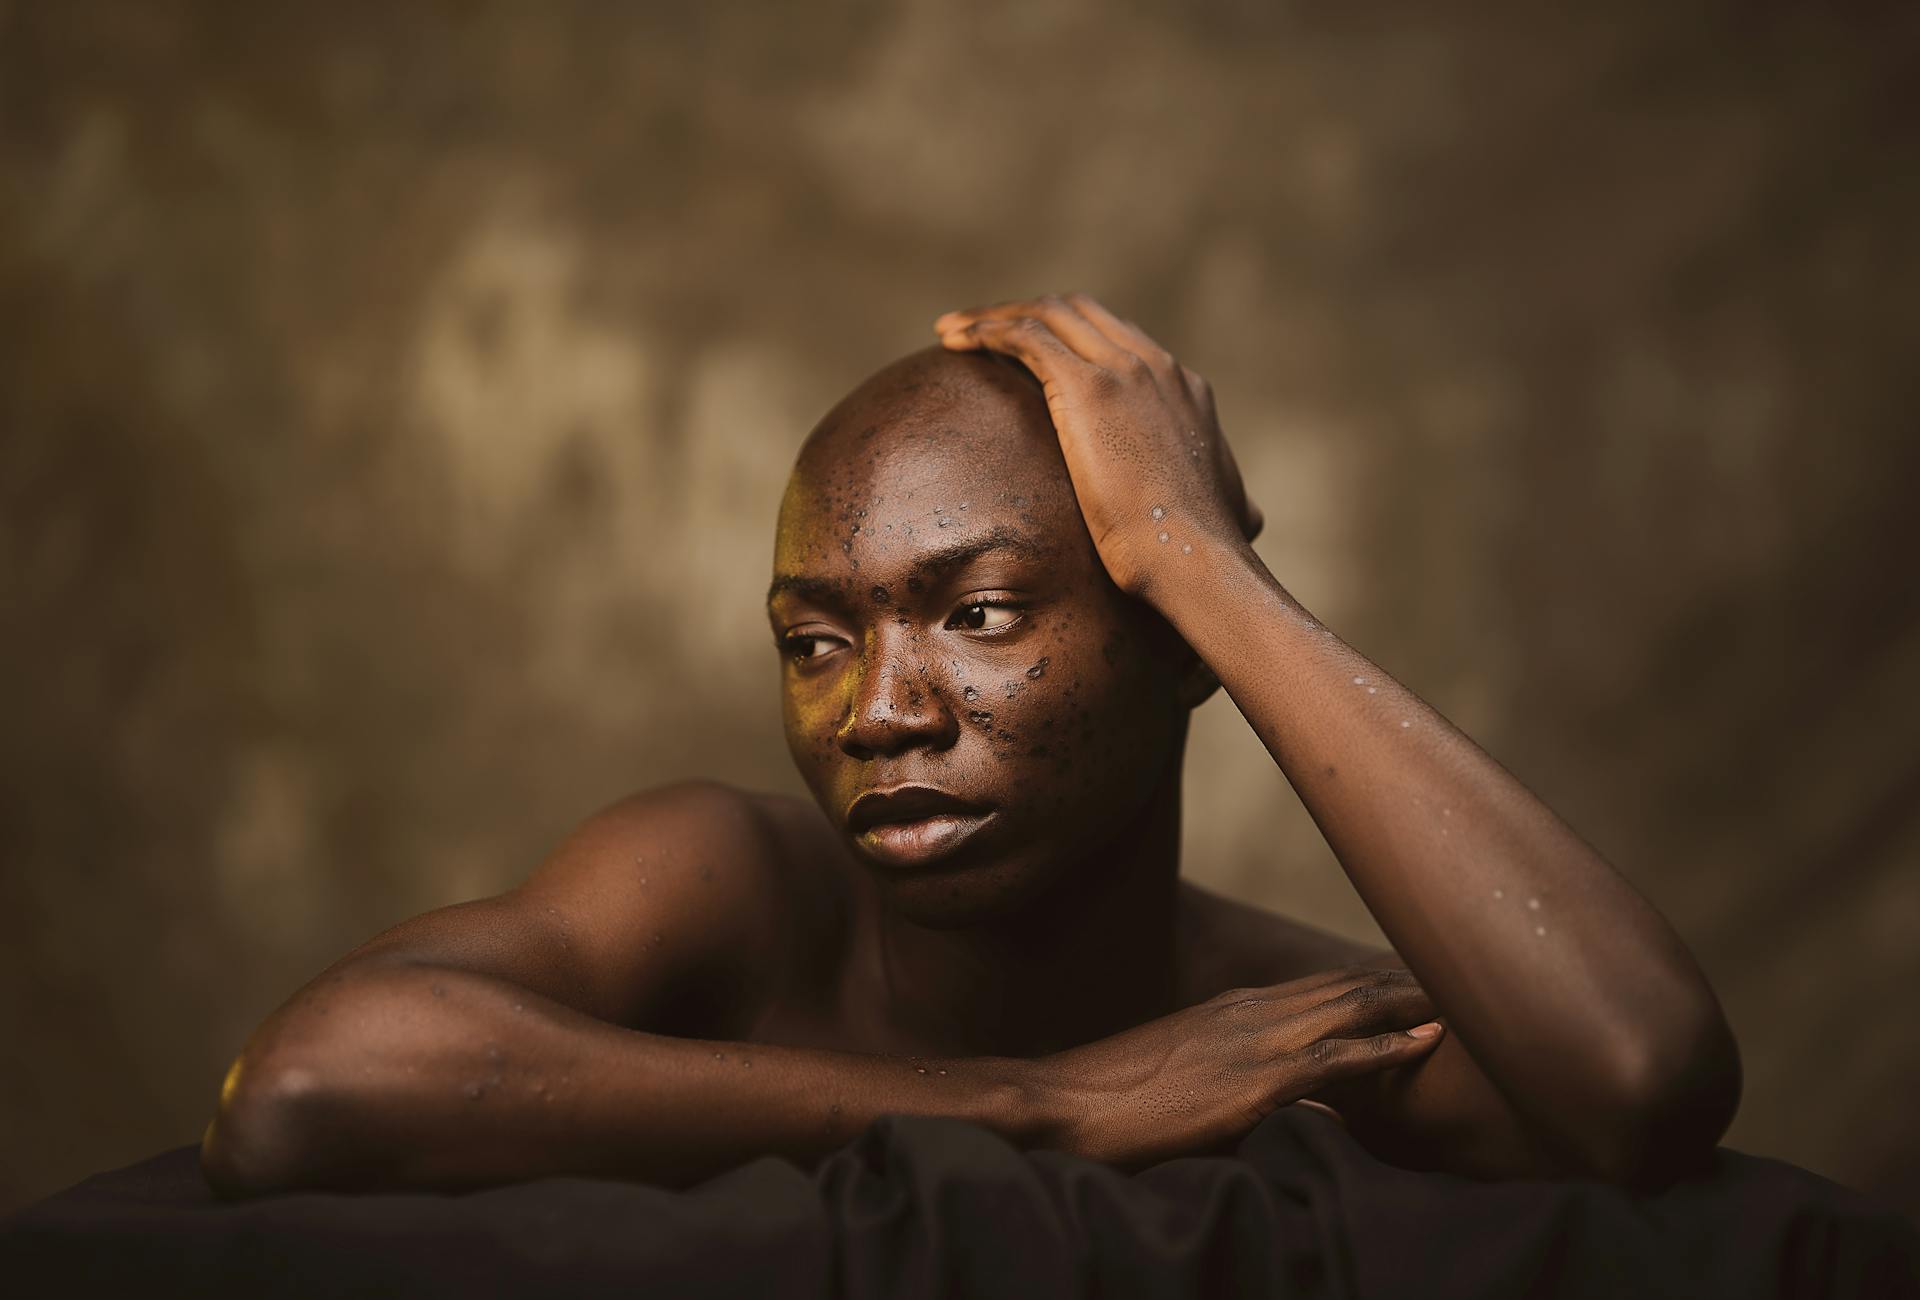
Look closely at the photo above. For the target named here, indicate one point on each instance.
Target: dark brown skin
(1013, 592)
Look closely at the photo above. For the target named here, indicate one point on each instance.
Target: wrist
(1183, 577)
(1021, 1103)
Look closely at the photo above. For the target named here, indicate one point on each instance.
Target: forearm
(408, 1075)
(1569, 988)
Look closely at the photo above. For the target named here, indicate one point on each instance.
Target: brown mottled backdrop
(394, 400)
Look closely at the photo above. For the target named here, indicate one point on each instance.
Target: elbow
(1668, 1111)
(260, 1139)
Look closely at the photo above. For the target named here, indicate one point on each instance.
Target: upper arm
(658, 912)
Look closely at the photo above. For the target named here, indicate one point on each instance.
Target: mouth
(913, 825)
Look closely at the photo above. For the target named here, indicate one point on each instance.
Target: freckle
(1159, 512)
(1163, 536)
(1499, 893)
(1533, 904)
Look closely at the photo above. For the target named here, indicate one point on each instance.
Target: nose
(894, 707)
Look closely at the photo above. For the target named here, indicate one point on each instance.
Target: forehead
(930, 452)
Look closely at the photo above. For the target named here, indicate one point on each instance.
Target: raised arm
(540, 1032)
(1584, 1037)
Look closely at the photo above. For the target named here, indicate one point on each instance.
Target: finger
(1123, 332)
(1028, 340)
(1068, 325)
(1363, 1009)
(1336, 979)
(1330, 1060)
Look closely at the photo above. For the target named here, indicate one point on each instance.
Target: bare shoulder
(675, 909)
(1240, 945)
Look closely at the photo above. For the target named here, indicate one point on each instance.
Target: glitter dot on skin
(1359, 681)
(1405, 723)
(1533, 904)
(1373, 690)
(1499, 893)
(1159, 512)
(1186, 549)
(1163, 537)
(1539, 929)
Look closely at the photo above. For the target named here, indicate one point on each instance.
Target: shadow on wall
(396, 405)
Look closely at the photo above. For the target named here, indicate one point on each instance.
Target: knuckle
(1051, 302)
(1362, 997)
(1105, 384)
(1322, 1053)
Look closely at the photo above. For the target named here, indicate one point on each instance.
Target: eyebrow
(936, 562)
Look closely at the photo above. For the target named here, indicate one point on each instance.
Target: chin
(964, 896)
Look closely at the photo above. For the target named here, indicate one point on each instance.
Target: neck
(1094, 956)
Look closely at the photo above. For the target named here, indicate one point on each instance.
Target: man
(995, 601)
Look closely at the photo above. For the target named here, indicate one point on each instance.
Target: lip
(913, 825)
(923, 841)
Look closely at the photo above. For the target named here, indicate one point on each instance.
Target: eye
(802, 646)
(984, 616)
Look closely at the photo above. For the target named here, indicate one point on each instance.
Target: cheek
(1078, 710)
(810, 722)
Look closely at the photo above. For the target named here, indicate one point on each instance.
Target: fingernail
(1427, 1030)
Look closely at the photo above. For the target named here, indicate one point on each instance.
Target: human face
(944, 622)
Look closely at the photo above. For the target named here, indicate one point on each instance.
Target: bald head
(993, 405)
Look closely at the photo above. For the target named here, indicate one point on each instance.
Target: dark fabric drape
(937, 1207)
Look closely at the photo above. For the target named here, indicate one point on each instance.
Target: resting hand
(1152, 472)
(1189, 1082)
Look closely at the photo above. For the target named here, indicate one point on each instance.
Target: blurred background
(395, 399)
